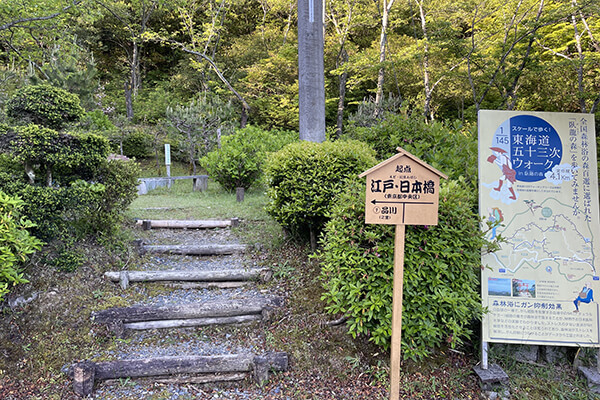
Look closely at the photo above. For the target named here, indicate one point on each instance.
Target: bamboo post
(397, 312)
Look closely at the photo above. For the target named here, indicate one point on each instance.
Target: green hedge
(304, 179)
(441, 281)
(239, 162)
(451, 149)
(44, 105)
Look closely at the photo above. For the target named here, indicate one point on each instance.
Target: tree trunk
(580, 63)
(382, 46)
(342, 95)
(128, 106)
(426, 85)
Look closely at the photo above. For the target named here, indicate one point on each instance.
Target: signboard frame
(538, 185)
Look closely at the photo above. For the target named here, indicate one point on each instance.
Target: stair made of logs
(198, 369)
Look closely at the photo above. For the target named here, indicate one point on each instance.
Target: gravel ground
(190, 236)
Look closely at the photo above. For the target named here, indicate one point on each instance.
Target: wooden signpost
(402, 190)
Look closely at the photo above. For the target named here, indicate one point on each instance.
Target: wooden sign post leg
(397, 313)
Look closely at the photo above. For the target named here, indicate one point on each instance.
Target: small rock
(21, 301)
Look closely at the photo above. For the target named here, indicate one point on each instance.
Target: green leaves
(239, 161)
(305, 177)
(16, 244)
(44, 105)
(441, 296)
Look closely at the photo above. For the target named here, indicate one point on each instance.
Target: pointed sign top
(403, 153)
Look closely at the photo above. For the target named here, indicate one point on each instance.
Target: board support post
(397, 312)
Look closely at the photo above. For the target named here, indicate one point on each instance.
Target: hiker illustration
(509, 175)
(585, 296)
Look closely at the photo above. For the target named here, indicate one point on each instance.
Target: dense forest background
(174, 66)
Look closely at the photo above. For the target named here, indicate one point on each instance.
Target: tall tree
(127, 21)
(385, 17)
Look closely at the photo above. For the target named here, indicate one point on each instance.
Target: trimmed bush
(16, 244)
(441, 272)
(44, 105)
(59, 155)
(239, 161)
(305, 178)
(83, 193)
(138, 144)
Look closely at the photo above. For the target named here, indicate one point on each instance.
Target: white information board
(538, 188)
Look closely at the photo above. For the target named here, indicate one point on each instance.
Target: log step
(186, 315)
(148, 224)
(218, 276)
(194, 250)
(85, 373)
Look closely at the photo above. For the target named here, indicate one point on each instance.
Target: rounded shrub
(138, 144)
(239, 162)
(305, 177)
(44, 105)
(441, 271)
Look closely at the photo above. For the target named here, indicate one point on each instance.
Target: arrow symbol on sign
(400, 202)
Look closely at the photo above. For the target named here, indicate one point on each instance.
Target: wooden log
(174, 365)
(186, 323)
(195, 369)
(196, 250)
(84, 374)
(208, 285)
(228, 275)
(239, 194)
(200, 184)
(200, 379)
(123, 279)
(186, 224)
(211, 309)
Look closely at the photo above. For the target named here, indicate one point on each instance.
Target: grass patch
(181, 202)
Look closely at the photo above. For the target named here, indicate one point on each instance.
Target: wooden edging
(229, 275)
(85, 373)
(186, 315)
(195, 250)
(187, 224)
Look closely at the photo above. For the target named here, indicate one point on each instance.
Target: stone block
(494, 375)
(593, 378)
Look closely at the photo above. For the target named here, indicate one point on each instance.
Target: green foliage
(305, 177)
(271, 87)
(239, 161)
(97, 121)
(44, 105)
(84, 193)
(451, 149)
(66, 154)
(81, 208)
(16, 244)
(72, 69)
(441, 295)
(138, 144)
